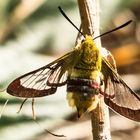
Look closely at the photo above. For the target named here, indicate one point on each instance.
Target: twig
(19, 14)
(89, 12)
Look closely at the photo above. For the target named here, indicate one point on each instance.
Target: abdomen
(83, 87)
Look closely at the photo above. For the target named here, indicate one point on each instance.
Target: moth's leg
(22, 105)
(33, 111)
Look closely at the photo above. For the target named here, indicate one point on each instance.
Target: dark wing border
(43, 81)
(118, 95)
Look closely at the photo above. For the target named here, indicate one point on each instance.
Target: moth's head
(88, 41)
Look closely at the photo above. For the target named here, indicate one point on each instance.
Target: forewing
(43, 81)
(118, 95)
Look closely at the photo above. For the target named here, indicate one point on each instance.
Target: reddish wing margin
(43, 81)
(118, 96)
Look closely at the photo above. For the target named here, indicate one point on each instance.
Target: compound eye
(82, 40)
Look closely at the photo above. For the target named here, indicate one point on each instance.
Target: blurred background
(32, 34)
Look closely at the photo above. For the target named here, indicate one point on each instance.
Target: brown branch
(89, 12)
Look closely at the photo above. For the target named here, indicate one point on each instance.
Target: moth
(89, 76)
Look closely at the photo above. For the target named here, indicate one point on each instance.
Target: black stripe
(81, 85)
(80, 81)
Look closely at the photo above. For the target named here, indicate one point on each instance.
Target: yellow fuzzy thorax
(90, 55)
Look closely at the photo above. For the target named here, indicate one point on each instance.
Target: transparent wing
(118, 95)
(43, 81)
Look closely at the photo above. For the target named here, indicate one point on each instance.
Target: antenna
(115, 29)
(63, 13)
(121, 26)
